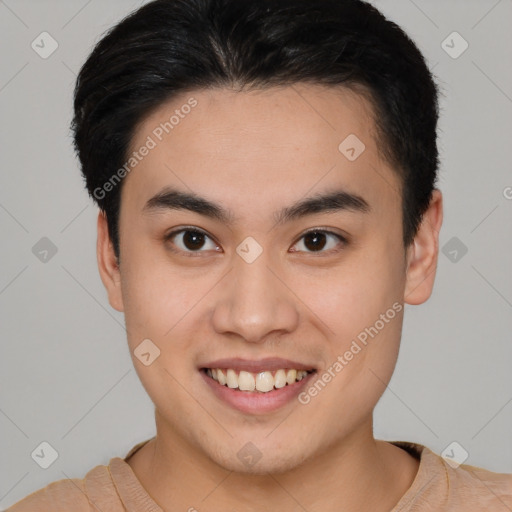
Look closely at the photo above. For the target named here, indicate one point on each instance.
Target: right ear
(108, 265)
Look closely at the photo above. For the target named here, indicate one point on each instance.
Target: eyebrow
(334, 201)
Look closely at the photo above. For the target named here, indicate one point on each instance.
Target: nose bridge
(254, 303)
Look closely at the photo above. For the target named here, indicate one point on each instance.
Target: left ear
(423, 252)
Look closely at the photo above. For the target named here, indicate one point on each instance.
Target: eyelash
(191, 229)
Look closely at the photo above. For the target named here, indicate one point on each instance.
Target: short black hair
(169, 47)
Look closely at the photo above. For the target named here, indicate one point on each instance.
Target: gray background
(66, 374)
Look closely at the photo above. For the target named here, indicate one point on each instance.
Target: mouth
(260, 382)
(256, 387)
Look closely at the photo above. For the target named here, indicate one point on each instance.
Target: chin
(251, 460)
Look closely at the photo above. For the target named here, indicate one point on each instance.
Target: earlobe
(422, 255)
(108, 264)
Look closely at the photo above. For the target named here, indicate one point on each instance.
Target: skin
(255, 153)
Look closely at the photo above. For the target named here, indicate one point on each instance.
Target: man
(265, 173)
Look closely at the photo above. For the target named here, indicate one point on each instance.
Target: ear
(108, 264)
(423, 252)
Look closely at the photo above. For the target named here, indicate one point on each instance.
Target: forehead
(271, 146)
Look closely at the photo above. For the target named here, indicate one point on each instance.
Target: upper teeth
(261, 381)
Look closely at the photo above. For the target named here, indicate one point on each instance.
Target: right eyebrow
(172, 199)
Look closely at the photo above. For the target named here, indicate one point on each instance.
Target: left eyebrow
(334, 201)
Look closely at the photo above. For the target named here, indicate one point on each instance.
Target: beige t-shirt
(437, 487)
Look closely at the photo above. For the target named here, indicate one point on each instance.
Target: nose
(255, 302)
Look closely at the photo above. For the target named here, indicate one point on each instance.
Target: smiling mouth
(256, 382)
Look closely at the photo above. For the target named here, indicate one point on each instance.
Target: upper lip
(255, 366)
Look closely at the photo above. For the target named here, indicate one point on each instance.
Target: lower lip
(254, 402)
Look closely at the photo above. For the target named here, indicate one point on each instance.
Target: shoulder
(443, 485)
(102, 488)
(472, 484)
(78, 495)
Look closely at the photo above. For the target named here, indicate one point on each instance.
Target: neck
(358, 473)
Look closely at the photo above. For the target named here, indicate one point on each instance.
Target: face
(260, 234)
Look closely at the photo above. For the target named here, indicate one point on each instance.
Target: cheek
(361, 364)
(159, 306)
(360, 311)
(155, 295)
(350, 297)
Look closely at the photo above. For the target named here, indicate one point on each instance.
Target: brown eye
(190, 240)
(318, 240)
(315, 241)
(193, 240)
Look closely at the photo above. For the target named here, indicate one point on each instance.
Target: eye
(317, 240)
(191, 240)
